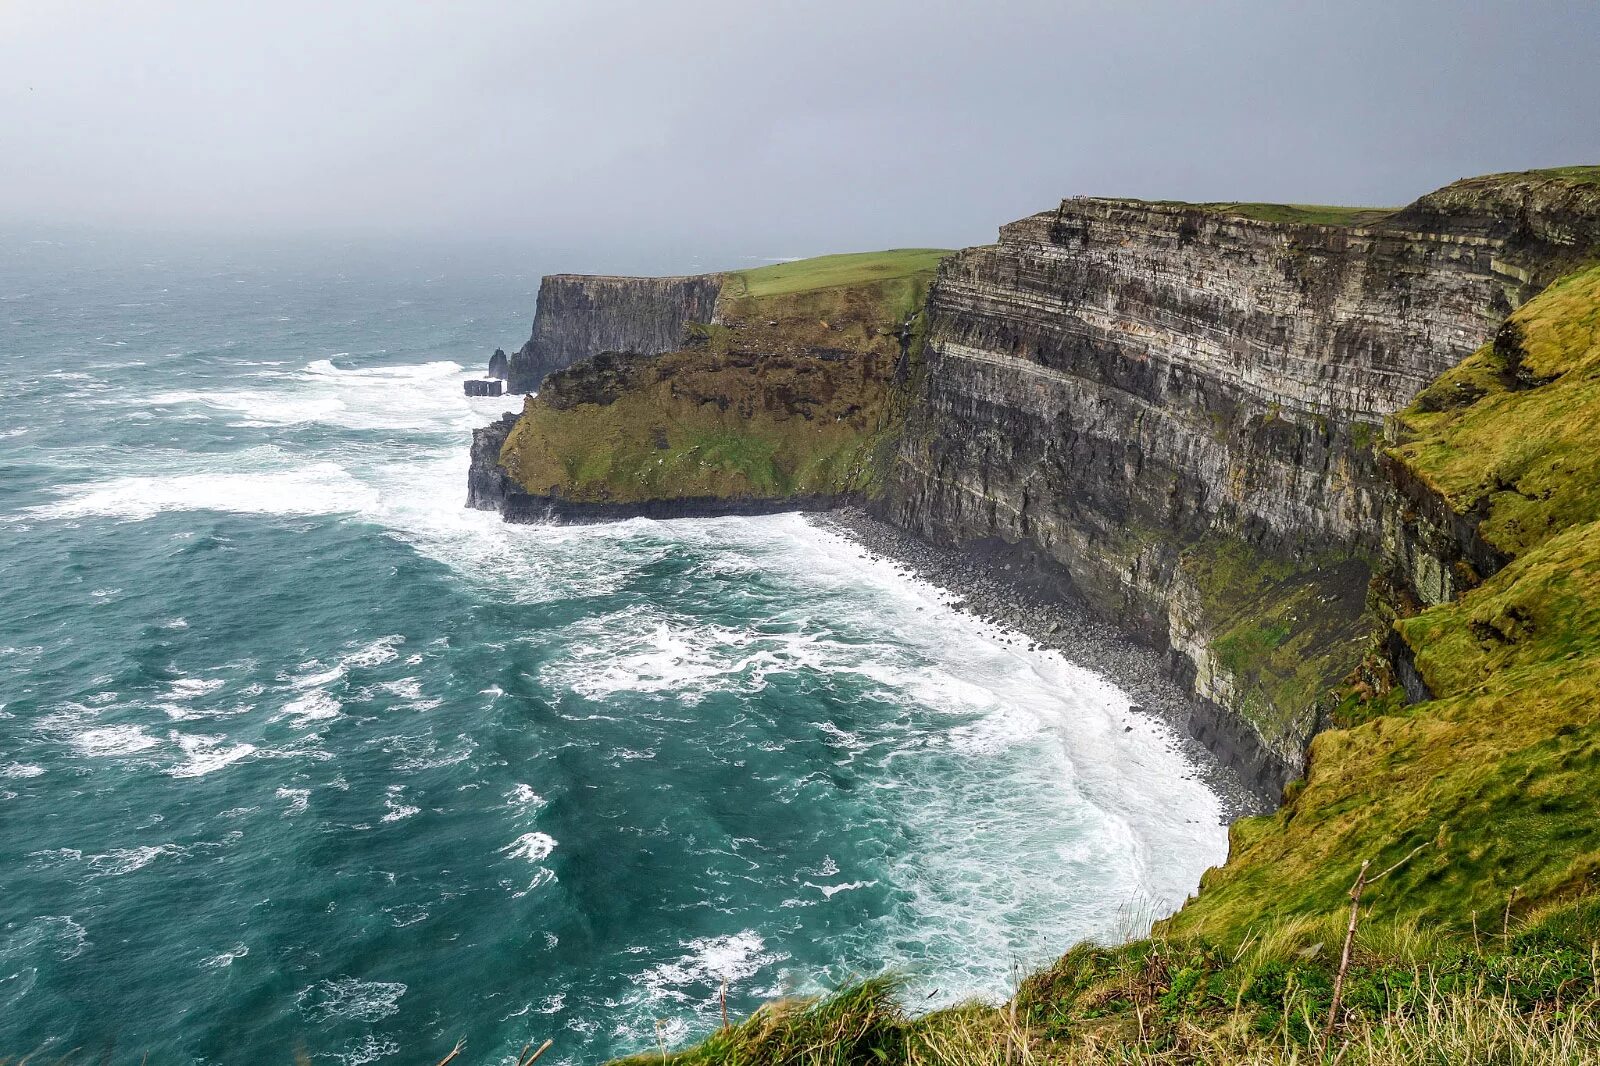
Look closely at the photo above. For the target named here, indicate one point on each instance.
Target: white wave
(189, 687)
(698, 975)
(314, 489)
(21, 769)
(314, 706)
(376, 653)
(207, 754)
(299, 800)
(535, 847)
(350, 997)
(120, 861)
(60, 934)
(524, 798)
(397, 810)
(368, 1049)
(225, 959)
(114, 740)
(829, 891)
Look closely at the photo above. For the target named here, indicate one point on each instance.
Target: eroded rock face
(482, 387)
(1132, 379)
(499, 364)
(488, 484)
(580, 315)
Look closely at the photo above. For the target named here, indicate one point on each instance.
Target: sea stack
(499, 364)
(483, 387)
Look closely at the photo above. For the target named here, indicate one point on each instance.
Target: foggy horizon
(704, 134)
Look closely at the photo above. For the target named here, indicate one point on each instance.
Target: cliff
(578, 315)
(1178, 403)
(787, 395)
(1492, 774)
(1281, 443)
(1336, 462)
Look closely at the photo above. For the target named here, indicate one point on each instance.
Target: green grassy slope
(1497, 773)
(1304, 214)
(833, 271)
(791, 393)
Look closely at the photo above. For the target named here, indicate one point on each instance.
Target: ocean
(300, 756)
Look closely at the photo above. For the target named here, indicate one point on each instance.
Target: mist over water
(296, 752)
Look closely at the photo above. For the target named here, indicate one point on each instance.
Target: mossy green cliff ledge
(790, 393)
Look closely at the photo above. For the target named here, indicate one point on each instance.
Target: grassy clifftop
(1494, 776)
(792, 391)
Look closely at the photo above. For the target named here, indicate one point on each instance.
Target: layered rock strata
(1179, 404)
(579, 315)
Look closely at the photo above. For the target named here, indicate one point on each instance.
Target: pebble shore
(1037, 621)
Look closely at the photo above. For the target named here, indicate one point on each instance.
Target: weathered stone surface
(580, 315)
(482, 387)
(488, 484)
(522, 507)
(1132, 379)
(499, 364)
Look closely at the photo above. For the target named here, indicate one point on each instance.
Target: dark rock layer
(488, 484)
(521, 507)
(580, 315)
(1133, 379)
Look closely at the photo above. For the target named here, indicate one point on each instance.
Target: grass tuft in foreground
(1522, 993)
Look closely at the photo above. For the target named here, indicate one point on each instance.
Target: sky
(707, 131)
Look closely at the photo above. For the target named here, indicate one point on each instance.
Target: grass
(1485, 439)
(1293, 214)
(1284, 632)
(791, 393)
(1525, 993)
(1582, 175)
(1499, 769)
(833, 271)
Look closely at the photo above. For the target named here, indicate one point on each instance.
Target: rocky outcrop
(1137, 383)
(482, 387)
(580, 315)
(520, 506)
(488, 485)
(499, 364)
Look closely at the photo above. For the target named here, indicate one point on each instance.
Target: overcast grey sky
(762, 127)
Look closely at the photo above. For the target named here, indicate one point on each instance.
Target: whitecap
(314, 706)
(114, 740)
(313, 489)
(299, 799)
(225, 959)
(185, 688)
(524, 798)
(206, 754)
(377, 653)
(350, 997)
(397, 810)
(829, 891)
(535, 847)
(120, 861)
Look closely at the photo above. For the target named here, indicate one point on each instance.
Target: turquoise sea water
(298, 754)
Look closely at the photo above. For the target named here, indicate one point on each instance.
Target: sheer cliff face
(1163, 398)
(580, 315)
